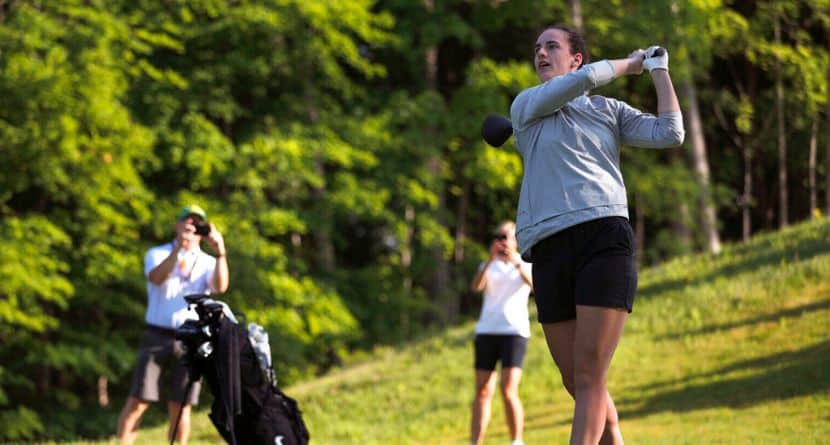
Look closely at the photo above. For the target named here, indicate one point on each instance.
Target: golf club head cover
(656, 58)
(496, 130)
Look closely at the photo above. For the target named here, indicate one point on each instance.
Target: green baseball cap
(192, 209)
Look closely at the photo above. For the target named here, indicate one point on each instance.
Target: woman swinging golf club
(573, 213)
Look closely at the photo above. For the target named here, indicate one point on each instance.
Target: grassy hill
(727, 349)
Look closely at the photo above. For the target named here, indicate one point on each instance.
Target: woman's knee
(612, 421)
(485, 392)
(589, 371)
(612, 418)
(567, 374)
(510, 391)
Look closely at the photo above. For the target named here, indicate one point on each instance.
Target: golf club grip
(659, 52)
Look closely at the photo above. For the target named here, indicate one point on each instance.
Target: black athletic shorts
(590, 264)
(490, 348)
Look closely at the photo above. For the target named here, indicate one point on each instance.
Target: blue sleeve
(640, 129)
(543, 100)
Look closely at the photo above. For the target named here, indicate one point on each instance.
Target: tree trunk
(406, 248)
(439, 288)
(783, 195)
(701, 168)
(103, 392)
(680, 225)
(296, 249)
(576, 15)
(812, 168)
(746, 198)
(827, 151)
(461, 223)
(5, 8)
(325, 247)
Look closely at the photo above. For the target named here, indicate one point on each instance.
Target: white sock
(517, 442)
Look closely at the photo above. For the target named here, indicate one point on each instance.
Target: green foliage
(337, 147)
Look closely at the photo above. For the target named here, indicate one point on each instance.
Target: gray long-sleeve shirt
(570, 144)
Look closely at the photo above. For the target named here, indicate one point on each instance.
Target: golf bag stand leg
(190, 382)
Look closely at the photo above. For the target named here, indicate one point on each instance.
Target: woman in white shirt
(502, 332)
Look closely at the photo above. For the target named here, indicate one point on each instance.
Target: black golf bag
(248, 406)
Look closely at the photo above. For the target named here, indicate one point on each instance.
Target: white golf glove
(656, 58)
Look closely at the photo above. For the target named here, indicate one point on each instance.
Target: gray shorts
(159, 356)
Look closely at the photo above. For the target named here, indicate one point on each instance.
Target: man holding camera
(173, 270)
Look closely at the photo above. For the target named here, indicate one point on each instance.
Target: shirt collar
(194, 250)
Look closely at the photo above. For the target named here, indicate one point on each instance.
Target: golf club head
(496, 130)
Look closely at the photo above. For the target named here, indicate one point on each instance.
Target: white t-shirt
(504, 310)
(192, 274)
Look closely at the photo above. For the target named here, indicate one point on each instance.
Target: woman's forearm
(666, 96)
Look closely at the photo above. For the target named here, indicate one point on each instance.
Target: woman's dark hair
(575, 40)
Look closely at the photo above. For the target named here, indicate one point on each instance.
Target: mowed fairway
(728, 349)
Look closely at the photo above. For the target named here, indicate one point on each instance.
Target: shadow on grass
(768, 251)
(774, 377)
(95, 423)
(774, 317)
(534, 420)
(100, 423)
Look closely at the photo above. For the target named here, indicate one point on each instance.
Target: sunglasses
(500, 237)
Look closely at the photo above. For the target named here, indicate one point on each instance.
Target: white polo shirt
(504, 310)
(192, 274)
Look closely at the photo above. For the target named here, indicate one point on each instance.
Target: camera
(202, 228)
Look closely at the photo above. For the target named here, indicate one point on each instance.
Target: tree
(72, 196)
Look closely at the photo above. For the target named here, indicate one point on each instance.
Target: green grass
(727, 349)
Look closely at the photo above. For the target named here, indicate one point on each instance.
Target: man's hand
(220, 275)
(216, 241)
(656, 58)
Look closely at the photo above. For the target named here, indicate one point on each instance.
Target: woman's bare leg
(560, 338)
(513, 409)
(598, 331)
(485, 388)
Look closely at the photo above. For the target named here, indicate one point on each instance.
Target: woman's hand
(515, 258)
(496, 250)
(656, 58)
(635, 62)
